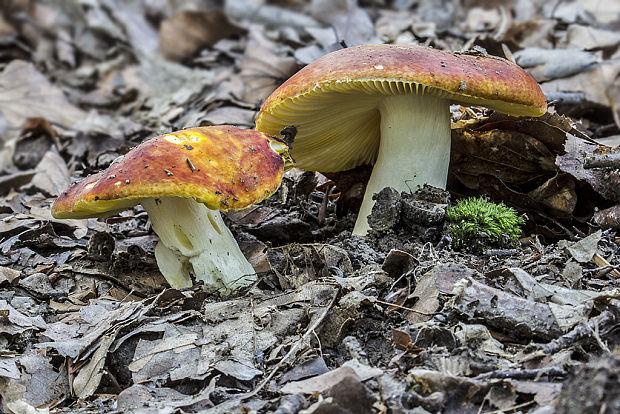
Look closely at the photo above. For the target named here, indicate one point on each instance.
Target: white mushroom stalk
(183, 179)
(196, 244)
(414, 148)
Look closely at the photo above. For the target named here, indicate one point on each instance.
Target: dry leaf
(593, 83)
(187, 32)
(25, 93)
(588, 38)
(351, 23)
(603, 181)
(263, 67)
(428, 299)
(546, 64)
(89, 376)
(320, 383)
(557, 193)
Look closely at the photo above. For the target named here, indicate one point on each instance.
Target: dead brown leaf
(264, 67)
(557, 193)
(427, 295)
(26, 93)
(188, 31)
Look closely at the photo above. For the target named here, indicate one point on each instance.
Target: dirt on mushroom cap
(221, 166)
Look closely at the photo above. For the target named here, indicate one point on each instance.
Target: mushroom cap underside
(333, 101)
(222, 167)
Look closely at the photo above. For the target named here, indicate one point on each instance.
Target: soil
(398, 321)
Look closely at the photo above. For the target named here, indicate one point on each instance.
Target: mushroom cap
(333, 101)
(222, 167)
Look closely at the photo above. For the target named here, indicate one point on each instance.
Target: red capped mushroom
(182, 179)
(389, 105)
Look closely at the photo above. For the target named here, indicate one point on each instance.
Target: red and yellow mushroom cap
(222, 167)
(333, 101)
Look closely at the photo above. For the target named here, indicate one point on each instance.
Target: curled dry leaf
(13, 322)
(545, 64)
(351, 23)
(188, 31)
(263, 67)
(268, 14)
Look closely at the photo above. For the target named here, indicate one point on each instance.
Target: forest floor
(399, 321)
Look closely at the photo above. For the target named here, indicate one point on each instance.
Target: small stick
(600, 261)
(514, 407)
(191, 166)
(403, 307)
(500, 252)
(323, 209)
(524, 374)
(581, 331)
(602, 161)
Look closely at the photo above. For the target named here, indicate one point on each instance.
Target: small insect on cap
(222, 167)
(333, 101)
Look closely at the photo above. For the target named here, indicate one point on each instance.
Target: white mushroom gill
(194, 240)
(414, 148)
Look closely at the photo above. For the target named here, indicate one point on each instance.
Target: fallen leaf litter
(396, 321)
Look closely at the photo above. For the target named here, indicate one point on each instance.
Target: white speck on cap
(172, 139)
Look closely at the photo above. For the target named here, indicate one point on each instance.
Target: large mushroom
(182, 179)
(389, 105)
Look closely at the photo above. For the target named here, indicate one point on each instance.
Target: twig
(115, 280)
(581, 331)
(600, 261)
(318, 340)
(523, 374)
(324, 204)
(601, 271)
(431, 251)
(500, 252)
(127, 296)
(404, 307)
(514, 407)
(602, 161)
(599, 341)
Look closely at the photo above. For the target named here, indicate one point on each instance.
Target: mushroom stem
(194, 240)
(414, 148)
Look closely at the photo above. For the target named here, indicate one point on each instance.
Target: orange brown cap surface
(222, 167)
(336, 96)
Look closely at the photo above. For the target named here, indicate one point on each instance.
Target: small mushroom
(183, 206)
(389, 105)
